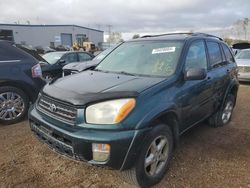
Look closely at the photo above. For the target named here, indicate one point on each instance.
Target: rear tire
(14, 105)
(223, 116)
(154, 158)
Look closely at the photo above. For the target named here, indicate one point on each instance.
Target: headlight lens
(109, 112)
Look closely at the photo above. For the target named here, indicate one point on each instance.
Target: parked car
(44, 49)
(32, 51)
(62, 48)
(20, 82)
(243, 62)
(129, 112)
(56, 61)
(77, 67)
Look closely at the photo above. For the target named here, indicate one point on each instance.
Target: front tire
(14, 105)
(153, 160)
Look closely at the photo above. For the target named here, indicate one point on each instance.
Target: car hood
(93, 86)
(80, 66)
(243, 62)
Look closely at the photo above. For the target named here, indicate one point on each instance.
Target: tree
(240, 28)
(115, 37)
(135, 36)
(245, 26)
(229, 41)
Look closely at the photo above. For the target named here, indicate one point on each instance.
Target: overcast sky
(128, 16)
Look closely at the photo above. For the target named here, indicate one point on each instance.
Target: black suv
(129, 112)
(55, 61)
(20, 82)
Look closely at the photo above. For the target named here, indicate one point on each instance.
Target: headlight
(109, 112)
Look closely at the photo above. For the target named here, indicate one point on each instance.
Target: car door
(195, 97)
(219, 68)
(66, 59)
(231, 67)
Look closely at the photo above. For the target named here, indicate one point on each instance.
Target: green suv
(129, 112)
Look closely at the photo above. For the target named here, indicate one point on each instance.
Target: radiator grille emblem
(52, 107)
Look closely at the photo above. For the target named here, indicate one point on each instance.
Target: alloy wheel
(11, 106)
(156, 156)
(227, 112)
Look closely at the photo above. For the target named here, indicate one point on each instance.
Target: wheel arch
(169, 118)
(22, 86)
(232, 89)
(166, 118)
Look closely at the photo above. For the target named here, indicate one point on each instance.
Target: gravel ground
(206, 157)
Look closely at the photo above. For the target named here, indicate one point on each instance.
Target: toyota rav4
(129, 112)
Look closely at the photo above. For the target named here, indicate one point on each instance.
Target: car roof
(6, 42)
(176, 36)
(245, 50)
(66, 52)
(59, 52)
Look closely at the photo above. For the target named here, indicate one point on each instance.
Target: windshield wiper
(122, 72)
(99, 70)
(126, 73)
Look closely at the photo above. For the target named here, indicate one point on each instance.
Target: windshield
(53, 57)
(145, 58)
(243, 55)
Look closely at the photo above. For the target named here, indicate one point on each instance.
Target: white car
(243, 62)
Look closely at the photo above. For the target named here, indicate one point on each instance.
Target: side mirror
(61, 62)
(195, 74)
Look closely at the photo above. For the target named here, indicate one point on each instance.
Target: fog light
(100, 152)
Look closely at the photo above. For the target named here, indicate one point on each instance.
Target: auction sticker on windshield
(163, 50)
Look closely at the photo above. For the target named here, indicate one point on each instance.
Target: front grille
(57, 110)
(67, 72)
(74, 72)
(243, 69)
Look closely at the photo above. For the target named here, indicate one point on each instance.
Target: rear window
(228, 54)
(245, 54)
(214, 53)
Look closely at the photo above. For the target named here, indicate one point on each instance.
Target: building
(49, 35)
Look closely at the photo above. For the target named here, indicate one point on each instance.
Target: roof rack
(165, 34)
(187, 33)
(206, 35)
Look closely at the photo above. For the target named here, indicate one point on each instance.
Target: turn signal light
(101, 152)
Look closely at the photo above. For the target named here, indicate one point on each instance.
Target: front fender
(156, 113)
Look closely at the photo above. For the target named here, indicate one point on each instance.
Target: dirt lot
(206, 157)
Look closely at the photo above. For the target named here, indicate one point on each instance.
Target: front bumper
(244, 76)
(76, 142)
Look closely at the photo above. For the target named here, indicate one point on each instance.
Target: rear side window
(214, 53)
(228, 54)
(9, 52)
(69, 58)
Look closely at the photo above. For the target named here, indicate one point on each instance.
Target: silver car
(243, 62)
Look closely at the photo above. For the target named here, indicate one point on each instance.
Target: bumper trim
(130, 146)
(52, 142)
